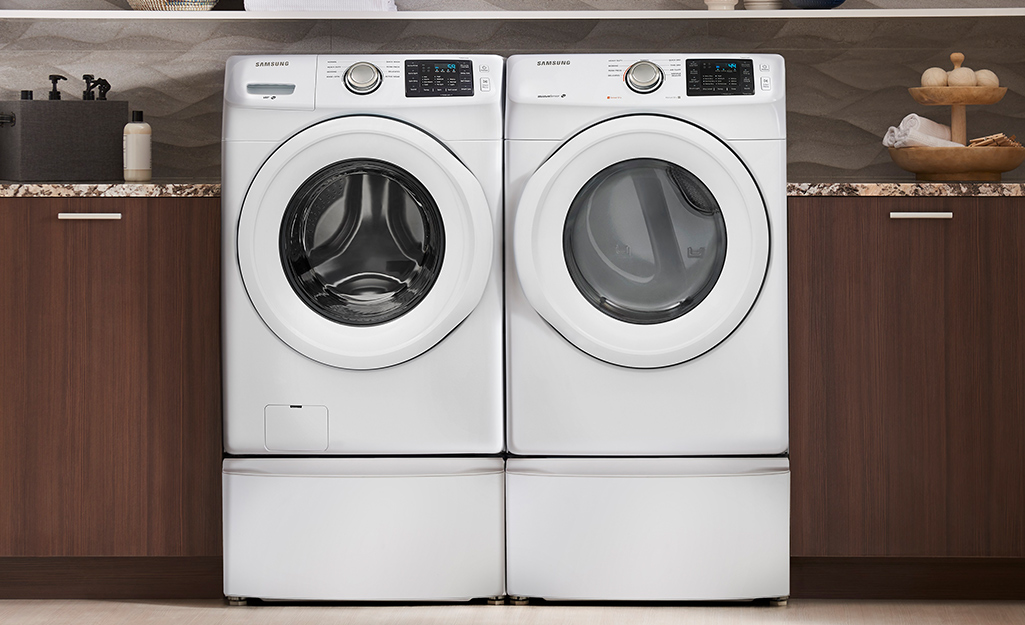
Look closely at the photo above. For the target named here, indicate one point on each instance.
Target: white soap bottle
(137, 149)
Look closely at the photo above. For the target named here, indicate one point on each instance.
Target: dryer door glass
(362, 242)
(644, 241)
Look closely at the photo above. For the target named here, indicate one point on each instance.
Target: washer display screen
(444, 78)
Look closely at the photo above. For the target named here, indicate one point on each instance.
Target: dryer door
(363, 242)
(643, 240)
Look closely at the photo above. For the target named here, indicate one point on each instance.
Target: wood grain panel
(867, 405)
(183, 291)
(110, 422)
(907, 378)
(193, 577)
(985, 390)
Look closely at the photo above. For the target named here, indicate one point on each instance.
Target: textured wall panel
(846, 79)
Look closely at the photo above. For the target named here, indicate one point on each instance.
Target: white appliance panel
(446, 400)
(648, 529)
(554, 96)
(731, 400)
(368, 529)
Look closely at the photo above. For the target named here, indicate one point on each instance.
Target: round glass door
(362, 242)
(642, 240)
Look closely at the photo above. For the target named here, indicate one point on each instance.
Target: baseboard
(129, 577)
(200, 577)
(907, 578)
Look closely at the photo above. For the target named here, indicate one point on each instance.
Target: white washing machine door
(643, 240)
(363, 242)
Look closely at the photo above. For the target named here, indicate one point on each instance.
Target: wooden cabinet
(908, 378)
(110, 442)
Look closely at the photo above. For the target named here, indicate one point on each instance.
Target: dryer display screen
(720, 77)
(432, 79)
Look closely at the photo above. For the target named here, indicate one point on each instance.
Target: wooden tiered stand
(954, 163)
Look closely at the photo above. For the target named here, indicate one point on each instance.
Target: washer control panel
(720, 77)
(434, 79)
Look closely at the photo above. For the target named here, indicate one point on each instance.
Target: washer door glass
(362, 242)
(644, 241)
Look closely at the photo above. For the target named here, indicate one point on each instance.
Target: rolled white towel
(890, 138)
(898, 138)
(320, 5)
(925, 126)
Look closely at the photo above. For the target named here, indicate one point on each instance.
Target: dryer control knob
(644, 77)
(362, 78)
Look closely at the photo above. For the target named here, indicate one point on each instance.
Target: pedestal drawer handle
(88, 215)
(921, 215)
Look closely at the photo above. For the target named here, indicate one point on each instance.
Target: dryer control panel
(720, 77)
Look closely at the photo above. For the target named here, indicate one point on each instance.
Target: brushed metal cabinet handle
(921, 215)
(88, 215)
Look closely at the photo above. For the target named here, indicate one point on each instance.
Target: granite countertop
(794, 189)
(906, 189)
(124, 189)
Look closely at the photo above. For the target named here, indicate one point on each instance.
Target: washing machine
(362, 322)
(647, 327)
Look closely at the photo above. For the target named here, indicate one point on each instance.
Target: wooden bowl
(958, 163)
(940, 96)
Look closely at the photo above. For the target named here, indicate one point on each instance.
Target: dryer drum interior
(644, 241)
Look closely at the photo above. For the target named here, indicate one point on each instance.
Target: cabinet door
(867, 378)
(985, 391)
(907, 340)
(110, 394)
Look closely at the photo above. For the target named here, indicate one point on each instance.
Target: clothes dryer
(646, 316)
(362, 310)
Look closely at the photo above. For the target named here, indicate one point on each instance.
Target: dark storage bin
(62, 140)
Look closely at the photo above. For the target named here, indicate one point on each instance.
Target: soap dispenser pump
(90, 84)
(54, 93)
(137, 149)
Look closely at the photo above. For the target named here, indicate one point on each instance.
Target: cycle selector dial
(362, 78)
(644, 77)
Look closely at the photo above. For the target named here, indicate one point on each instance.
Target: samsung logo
(272, 64)
(552, 63)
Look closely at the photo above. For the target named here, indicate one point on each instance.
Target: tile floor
(799, 611)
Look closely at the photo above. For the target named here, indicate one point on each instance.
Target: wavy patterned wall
(846, 80)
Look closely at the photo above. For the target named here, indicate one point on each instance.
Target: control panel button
(763, 67)
(484, 68)
(362, 78)
(766, 84)
(644, 77)
(485, 84)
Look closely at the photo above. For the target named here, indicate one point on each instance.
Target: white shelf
(511, 15)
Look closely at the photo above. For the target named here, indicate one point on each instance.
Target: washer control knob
(362, 78)
(644, 77)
